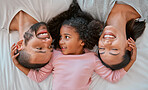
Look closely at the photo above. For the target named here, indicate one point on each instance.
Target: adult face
(112, 45)
(69, 41)
(39, 46)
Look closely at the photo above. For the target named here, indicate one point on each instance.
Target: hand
(133, 49)
(13, 55)
(16, 63)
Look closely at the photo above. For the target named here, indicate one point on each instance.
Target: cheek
(99, 43)
(69, 43)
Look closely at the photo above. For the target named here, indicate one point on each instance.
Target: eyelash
(39, 48)
(102, 48)
(114, 49)
(67, 37)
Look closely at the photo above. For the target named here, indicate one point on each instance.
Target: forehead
(67, 29)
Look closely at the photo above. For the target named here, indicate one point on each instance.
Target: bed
(11, 78)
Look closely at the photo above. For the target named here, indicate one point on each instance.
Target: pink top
(73, 72)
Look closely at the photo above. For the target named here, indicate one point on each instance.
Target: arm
(133, 50)
(107, 73)
(116, 75)
(42, 74)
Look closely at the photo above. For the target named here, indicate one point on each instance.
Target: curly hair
(87, 28)
(55, 23)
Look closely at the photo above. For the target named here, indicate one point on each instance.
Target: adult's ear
(19, 44)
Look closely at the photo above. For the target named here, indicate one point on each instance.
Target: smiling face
(112, 45)
(39, 46)
(70, 43)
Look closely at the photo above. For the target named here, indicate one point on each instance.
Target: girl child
(73, 65)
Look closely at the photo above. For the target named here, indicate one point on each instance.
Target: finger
(16, 55)
(13, 51)
(129, 40)
(12, 47)
(20, 41)
(21, 48)
(134, 49)
(132, 40)
(14, 59)
(133, 44)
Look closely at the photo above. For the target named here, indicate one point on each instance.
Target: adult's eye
(114, 51)
(39, 48)
(101, 48)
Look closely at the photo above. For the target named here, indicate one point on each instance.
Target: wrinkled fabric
(73, 72)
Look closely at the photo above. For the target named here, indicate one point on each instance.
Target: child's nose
(61, 42)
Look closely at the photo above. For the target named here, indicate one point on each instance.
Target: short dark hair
(24, 56)
(33, 29)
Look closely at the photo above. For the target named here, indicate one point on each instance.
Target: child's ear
(82, 43)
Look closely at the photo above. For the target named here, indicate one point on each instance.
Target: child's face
(39, 45)
(70, 43)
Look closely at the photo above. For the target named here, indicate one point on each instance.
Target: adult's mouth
(43, 34)
(109, 35)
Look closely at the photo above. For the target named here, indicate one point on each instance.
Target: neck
(120, 15)
(22, 22)
(117, 20)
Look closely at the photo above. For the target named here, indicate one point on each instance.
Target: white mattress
(13, 79)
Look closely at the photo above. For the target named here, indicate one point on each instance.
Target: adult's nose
(107, 42)
(47, 42)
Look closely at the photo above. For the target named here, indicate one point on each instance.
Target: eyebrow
(66, 34)
(40, 51)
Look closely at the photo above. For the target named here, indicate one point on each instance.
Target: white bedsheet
(12, 78)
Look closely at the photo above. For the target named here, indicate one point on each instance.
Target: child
(72, 68)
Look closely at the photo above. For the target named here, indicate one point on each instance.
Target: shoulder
(56, 53)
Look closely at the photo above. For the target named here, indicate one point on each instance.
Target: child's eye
(60, 37)
(39, 48)
(67, 37)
